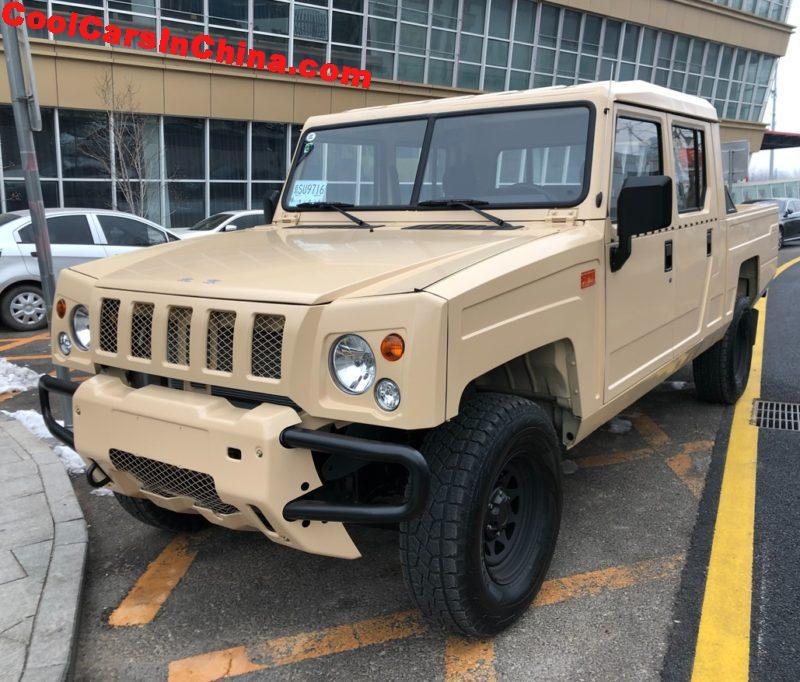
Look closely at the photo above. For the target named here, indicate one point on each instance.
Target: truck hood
(303, 265)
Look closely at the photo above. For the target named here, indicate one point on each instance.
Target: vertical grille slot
(142, 331)
(179, 334)
(109, 317)
(267, 346)
(219, 340)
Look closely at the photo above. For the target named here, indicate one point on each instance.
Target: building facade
(220, 137)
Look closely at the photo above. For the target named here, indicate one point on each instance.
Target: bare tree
(125, 144)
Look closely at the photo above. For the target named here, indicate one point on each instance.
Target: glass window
(443, 43)
(440, 72)
(346, 28)
(186, 203)
(690, 176)
(87, 194)
(500, 19)
(469, 76)
(351, 5)
(570, 30)
(228, 12)
(494, 80)
(521, 56)
(380, 33)
(137, 147)
(64, 229)
(346, 56)
(271, 44)
(525, 25)
(17, 197)
(445, 13)
(122, 231)
(184, 139)
(412, 38)
(471, 48)
(189, 10)
(305, 49)
(497, 52)
(340, 164)
(228, 196)
(310, 22)
(228, 155)
(592, 27)
(532, 157)
(260, 191)
(415, 10)
(637, 152)
(380, 64)
(383, 8)
(548, 26)
(140, 198)
(474, 16)
(269, 151)
(44, 142)
(271, 16)
(410, 69)
(85, 144)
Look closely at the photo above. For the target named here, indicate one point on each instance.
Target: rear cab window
(688, 145)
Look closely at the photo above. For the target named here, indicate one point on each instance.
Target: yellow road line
(144, 600)
(469, 660)
(683, 467)
(783, 268)
(723, 640)
(16, 343)
(477, 659)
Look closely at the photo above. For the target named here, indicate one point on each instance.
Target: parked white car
(77, 235)
(228, 221)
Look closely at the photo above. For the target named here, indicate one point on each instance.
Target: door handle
(34, 254)
(668, 255)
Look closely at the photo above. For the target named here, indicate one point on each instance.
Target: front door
(640, 297)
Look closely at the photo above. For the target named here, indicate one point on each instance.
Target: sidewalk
(43, 543)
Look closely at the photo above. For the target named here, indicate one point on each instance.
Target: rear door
(698, 238)
(640, 297)
(126, 233)
(73, 240)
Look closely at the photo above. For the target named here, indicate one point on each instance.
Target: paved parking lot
(622, 599)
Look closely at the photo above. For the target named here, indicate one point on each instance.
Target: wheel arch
(17, 282)
(748, 278)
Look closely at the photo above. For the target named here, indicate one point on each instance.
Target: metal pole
(23, 101)
(774, 123)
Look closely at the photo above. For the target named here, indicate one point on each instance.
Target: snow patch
(16, 378)
(619, 425)
(34, 422)
(102, 492)
(677, 385)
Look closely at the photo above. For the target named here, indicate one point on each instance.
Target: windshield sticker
(308, 191)
(311, 137)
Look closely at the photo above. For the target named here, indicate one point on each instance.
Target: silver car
(228, 221)
(77, 235)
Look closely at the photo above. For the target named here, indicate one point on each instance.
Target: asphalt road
(622, 600)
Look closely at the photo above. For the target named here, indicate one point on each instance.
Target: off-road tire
(164, 519)
(721, 372)
(445, 553)
(6, 315)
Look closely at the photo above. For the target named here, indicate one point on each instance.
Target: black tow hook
(90, 478)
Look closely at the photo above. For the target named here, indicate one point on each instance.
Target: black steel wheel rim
(510, 533)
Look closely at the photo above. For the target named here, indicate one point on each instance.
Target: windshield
(212, 222)
(530, 157)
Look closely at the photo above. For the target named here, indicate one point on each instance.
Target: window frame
(413, 204)
(699, 133)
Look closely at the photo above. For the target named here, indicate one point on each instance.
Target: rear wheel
(721, 373)
(477, 556)
(22, 308)
(164, 519)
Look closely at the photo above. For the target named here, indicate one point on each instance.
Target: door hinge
(561, 217)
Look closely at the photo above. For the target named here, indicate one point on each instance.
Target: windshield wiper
(472, 205)
(336, 206)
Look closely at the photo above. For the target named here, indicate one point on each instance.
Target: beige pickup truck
(447, 296)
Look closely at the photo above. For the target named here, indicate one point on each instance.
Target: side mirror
(644, 205)
(230, 227)
(270, 204)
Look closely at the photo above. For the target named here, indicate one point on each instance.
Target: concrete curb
(56, 574)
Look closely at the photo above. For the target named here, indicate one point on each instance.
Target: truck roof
(638, 93)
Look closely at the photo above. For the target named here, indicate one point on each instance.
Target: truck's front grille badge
(171, 481)
(109, 316)
(772, 415)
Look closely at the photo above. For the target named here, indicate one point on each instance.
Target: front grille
(142, 330)
(109, 316)
(171, 481)
(267, 346)
(179, 334)
(219, 341)
(780, 416)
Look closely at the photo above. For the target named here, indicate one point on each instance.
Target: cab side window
(121, 231)
(64, 229)
(637, 152)
(688, 145)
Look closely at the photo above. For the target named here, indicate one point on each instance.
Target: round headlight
(80, 327)
(353, 364)
(387, 395)
(64, 343)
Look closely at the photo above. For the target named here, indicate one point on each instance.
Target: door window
(121, 231)
(637, 152)
(63, 229)
(688, 145)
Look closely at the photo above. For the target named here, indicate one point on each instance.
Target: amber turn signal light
(393, 347)
(61, 308)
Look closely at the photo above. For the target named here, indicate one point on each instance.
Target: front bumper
(242, 469)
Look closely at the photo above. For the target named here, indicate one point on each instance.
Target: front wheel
(477, 556)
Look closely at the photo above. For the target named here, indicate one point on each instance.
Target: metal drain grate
(771, 415)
